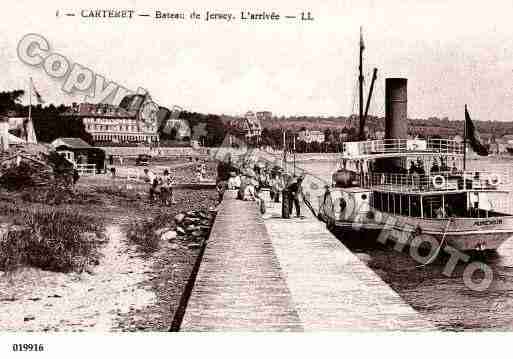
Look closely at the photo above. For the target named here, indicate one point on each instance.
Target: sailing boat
(414, 204)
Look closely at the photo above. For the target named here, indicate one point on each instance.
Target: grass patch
(56, 194)
(142, 234)
(58, 239)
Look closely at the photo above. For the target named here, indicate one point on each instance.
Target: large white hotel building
(109, 123)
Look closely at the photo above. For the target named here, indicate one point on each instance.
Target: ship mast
(361, 134)
(465, 141)
(363, 116)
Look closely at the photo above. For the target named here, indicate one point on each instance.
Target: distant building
(79, 152)
(502, 144)
(128, 123)
(507, 139)
(310, 136)
(498, 148)
(109, 123)
(249, 125)
(264, 115)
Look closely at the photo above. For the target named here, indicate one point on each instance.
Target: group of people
(161, 187)
(250, 182)
(418, 167)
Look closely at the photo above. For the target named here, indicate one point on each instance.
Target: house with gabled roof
(79, 152)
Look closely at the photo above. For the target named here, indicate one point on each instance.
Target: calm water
(445, 301)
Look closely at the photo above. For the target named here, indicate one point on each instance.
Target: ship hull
(464, 234)
(475, 241)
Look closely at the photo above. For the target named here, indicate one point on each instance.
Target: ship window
(395, 208)
(364, 196)
(376, 201)
(404, 205)
(431, 205)
(414, 206)
(379, 201)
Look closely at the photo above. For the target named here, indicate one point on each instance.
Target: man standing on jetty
(295, 190)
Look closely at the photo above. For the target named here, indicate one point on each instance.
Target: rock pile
(192, 227)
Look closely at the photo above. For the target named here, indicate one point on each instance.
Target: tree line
(212, 129)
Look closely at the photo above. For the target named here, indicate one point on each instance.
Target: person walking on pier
(277, 186)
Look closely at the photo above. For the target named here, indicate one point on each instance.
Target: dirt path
(37, 300)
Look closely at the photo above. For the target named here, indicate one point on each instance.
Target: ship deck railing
(401, 147)
(448, 181)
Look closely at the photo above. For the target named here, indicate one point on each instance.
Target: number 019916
(28, 347)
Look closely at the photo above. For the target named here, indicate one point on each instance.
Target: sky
(452, 52)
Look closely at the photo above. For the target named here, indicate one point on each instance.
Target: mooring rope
(309, 205)
(439, 247)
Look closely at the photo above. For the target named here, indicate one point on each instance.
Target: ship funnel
(396, 100)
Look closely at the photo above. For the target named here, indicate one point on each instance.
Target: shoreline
(128, 289)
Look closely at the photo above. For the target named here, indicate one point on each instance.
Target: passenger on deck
(443, 166)
(434, 167)
(448, 211)
(420, 167)
(440, 213)
(413, 168)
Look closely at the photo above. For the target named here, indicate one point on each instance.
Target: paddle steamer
(414, 189)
